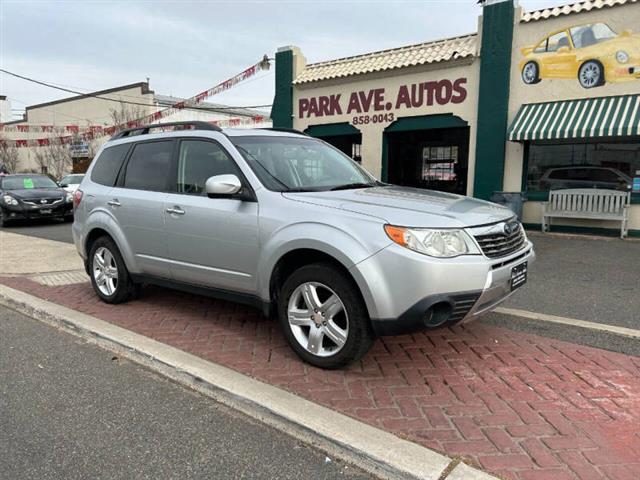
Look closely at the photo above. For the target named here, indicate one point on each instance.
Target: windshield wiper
(355, 185)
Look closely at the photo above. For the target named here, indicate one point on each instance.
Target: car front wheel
(530, 73)
(591, 74)
(109, 275)
(323, 316)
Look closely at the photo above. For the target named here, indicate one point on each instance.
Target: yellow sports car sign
(592, 53)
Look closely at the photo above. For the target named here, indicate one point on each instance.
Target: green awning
(617, 116)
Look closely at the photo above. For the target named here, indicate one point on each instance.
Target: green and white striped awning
(617, 116)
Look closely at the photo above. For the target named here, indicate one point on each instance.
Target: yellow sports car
(592, 53)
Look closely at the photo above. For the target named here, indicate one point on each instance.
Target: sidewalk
(517, 405)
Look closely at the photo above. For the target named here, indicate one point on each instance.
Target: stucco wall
(619, 18)
(372, 133)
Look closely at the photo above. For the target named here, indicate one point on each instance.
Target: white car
(71, 182)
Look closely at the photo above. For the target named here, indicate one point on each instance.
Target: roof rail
(143, 130)
(282, 129)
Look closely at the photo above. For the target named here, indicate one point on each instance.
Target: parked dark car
(28, 196)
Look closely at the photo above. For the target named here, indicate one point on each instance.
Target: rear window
(149, 166)
(108, 164)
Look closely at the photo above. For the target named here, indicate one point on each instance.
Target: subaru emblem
(43, 201)
(510, 227)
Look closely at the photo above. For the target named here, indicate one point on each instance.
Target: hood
(410, 207)
(36, 193)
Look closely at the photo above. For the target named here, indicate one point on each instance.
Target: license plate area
(45, 211)
(518, 275)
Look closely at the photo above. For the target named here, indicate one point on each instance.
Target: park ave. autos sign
(376, 105)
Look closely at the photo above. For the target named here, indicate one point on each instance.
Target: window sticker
(27, 182)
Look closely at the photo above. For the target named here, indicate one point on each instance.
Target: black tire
(3, 221)
(531, 73)
(360, 336)
(125, 289)
(586, 74)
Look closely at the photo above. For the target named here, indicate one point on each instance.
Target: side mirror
(63, 185)
(222, 186)
(563, 50)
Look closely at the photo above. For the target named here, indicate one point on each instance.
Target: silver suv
(289, 224)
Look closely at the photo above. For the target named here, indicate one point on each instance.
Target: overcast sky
(185, 47)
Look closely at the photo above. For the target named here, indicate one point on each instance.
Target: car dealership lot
(512, 403)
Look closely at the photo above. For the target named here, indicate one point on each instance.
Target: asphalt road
(49, 229)
(583, 277)
(70, 410)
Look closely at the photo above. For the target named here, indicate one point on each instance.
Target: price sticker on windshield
(27, 182)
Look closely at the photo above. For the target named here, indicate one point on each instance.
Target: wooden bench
(589, 203)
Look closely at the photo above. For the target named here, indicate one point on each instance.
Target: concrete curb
(374, 450)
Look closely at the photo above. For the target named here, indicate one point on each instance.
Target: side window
(108, 164)
(149, 166)
(557, 41)
(199, 160)
(559, 174)
(542, 47)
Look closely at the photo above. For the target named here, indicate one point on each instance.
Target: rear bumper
(407, 292)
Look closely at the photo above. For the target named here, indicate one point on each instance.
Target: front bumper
(31, 212)
(407, 292)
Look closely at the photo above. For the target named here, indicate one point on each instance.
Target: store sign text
(415, 95)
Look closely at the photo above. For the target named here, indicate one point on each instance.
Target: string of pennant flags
(74, 133)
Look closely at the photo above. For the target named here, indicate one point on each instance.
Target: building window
(608, 165)
(439, 163)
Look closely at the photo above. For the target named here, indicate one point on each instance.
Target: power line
(160, 103)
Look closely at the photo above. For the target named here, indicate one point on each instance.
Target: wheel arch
(100, 224)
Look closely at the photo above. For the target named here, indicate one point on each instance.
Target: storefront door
(436, 159)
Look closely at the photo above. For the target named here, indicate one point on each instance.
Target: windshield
(71, 179)
(27, 182)
(588, 35)
(301, 164)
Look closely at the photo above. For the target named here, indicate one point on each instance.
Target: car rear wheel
(530, 73)
(323, 316)
(591, 74)
(109, 275)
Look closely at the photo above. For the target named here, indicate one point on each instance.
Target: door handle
(176, 210)
(114, 202)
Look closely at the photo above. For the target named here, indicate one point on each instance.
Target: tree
(126, 113)
(8, 156)
(54, 159)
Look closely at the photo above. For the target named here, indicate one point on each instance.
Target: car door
(560, 59)
(212, 241)
(137, 203)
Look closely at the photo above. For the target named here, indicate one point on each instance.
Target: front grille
(495, 245)
(462, 304)
(47, 201)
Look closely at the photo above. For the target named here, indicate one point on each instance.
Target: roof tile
(582, 6)
(420, 54)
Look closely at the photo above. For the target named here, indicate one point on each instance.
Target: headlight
(9, 200)
(435, 243)
(622, 56)
(69, 197)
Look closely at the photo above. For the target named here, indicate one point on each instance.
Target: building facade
(102, 109)
(531, 102)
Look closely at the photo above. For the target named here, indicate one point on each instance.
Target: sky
(185, 47)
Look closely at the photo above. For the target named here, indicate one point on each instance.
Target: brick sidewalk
(517, 405)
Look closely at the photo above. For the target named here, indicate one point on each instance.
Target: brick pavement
(517, 405)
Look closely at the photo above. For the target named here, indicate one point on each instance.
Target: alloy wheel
(105, 271)
(530, 73)
(590, 75)
(318, 319)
